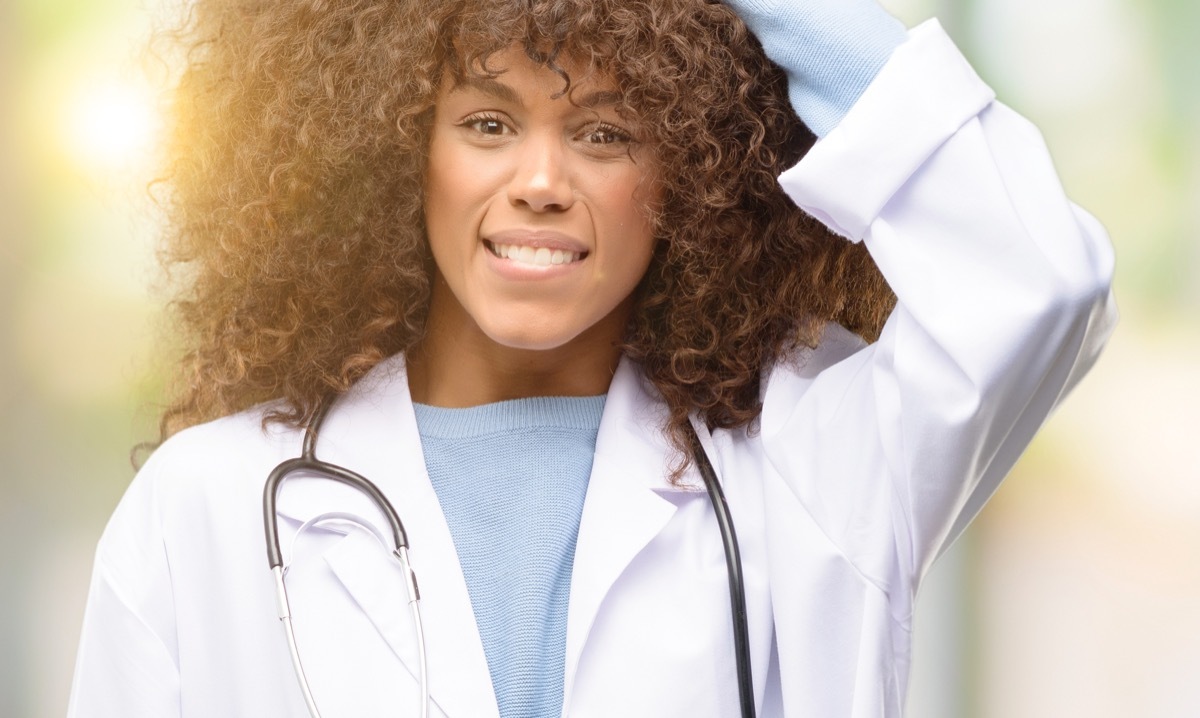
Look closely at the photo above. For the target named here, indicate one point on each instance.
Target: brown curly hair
(295, 195)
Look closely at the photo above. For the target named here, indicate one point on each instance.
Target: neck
(456, 365)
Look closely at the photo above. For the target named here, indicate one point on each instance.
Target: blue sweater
(511, 479)
(831, 50)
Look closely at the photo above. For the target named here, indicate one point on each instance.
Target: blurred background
(1077, 592)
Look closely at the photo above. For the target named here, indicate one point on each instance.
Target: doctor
(523, 246)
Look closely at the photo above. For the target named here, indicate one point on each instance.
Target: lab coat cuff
(921, 97)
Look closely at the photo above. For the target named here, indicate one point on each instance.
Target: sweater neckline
(536, 412)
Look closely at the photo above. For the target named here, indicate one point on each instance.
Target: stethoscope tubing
(308, 463)
(733, 565)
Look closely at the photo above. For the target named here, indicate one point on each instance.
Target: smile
(533, 256)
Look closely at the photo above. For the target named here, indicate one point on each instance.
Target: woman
(520, 248)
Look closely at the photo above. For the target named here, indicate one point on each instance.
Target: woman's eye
(486, 125)
(606, 135)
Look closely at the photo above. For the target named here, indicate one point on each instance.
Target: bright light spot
(112, 125)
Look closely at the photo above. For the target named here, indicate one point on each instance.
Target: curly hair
(294, 203)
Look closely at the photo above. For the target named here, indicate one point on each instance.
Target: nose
(541, 178)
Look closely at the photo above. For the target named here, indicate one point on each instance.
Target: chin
(529, 339)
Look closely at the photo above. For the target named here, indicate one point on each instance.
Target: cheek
(636, 188)
(631, 202)
(453, 196)
(439, 177)
(459, 188)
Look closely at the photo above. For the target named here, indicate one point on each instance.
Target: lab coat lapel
(625, 506)
(372, 430)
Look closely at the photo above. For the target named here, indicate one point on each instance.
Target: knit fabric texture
(830, 50)
(511, 479)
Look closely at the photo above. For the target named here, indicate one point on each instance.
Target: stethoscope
(308, 463)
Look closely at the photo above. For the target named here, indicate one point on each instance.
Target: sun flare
(112, 125)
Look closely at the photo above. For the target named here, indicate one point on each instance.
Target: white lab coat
(866, 463)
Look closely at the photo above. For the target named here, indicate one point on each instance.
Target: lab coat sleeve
(127, 663)
(1004, 301)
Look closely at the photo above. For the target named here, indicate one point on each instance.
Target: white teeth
(537, 257)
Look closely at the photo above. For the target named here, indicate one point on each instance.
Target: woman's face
(536, 207)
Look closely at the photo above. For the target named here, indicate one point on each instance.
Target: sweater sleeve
(831, 50)
(1003, 302)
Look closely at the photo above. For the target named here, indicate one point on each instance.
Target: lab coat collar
(629, 501)
(373, 431)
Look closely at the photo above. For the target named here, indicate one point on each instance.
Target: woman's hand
(830, 49)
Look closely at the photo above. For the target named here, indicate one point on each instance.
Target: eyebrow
(505, 93)
(487, 85)
(599, 98)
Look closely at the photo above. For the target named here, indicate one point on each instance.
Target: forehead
(506, 72)
(510, 89)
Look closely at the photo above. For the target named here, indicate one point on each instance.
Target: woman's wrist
(830, 49)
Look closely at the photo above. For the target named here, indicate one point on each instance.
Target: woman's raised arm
(1003, 290)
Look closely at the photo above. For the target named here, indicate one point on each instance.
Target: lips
(537, 248)
(539, 257)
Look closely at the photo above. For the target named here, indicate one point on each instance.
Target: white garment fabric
(866, 463)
